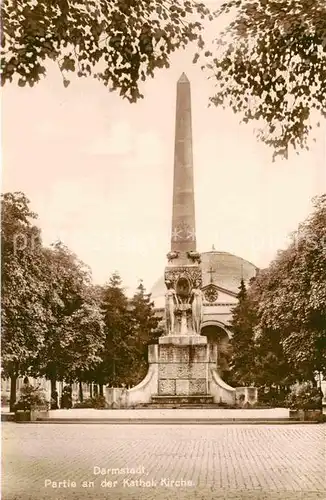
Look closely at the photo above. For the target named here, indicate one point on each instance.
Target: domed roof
(226, 269)
(222, 268)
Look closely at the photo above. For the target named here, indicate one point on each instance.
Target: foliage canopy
(120, 43)
(270, 65)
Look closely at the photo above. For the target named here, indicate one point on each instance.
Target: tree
(258, 356)
(242, 342)
(293, 301)
(74, 333)
(270, 65)
(120, 43)
(23, 312)
(85, 331)
(130, 326)
(274, 371)
(117, 330)
(145, 331)
(279, 323)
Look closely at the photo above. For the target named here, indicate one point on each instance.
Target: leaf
(68, 64)
(196, 57)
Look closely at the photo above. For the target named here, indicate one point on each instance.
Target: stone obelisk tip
(183, 78)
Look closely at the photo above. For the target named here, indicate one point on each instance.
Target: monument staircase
(193, 401)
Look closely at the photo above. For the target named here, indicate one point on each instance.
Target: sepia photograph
(163, 249)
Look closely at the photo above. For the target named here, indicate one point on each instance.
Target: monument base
(182, 371)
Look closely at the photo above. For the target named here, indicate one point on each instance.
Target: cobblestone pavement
(249, 462)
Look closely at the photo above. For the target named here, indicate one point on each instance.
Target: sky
(99, 170)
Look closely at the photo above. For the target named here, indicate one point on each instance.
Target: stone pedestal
(182, 371)
(184, 365)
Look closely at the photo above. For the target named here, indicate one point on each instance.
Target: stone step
(185, 406)
(182, 401)
(168, 421)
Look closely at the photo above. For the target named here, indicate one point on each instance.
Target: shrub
(306, 397)
(5, 400)
(87, 403)
(31, 398)
(272, 397)
(261, 406)
(97, 402)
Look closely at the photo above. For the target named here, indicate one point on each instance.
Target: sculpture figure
(197, 307)
(171, 302)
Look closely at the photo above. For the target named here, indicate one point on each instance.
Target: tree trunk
(101, 390)
(81, 395)
(13, 392)
(53, 386)
(113, 372)
(54, 394)
(95, 390)
(91, 390)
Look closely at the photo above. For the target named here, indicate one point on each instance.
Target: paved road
(250, 462)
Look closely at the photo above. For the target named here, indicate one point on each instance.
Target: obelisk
(183, 237)
(183, 276)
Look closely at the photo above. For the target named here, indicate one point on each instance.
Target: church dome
(222, 268)
(226, 270)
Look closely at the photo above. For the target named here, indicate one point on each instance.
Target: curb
(128, 421)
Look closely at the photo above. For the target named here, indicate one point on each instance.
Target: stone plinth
(183, 340)
(183, 366)
(182, 373)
